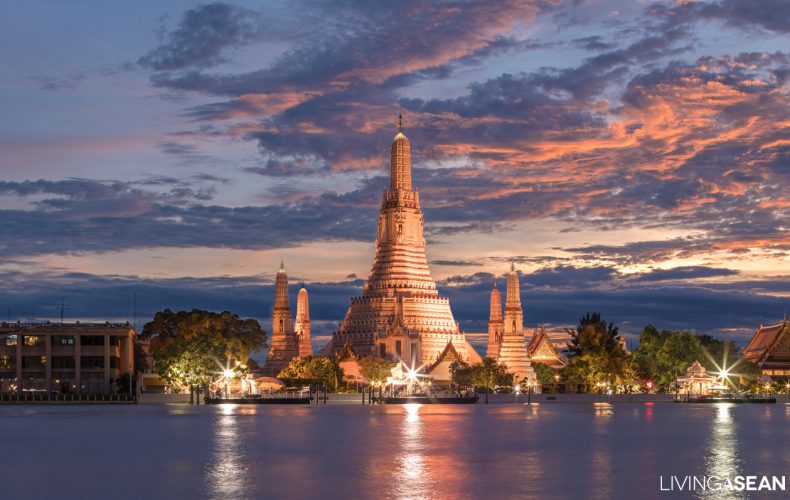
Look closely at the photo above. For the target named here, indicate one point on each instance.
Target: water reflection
(601, 469)
(226, 471)
(413, 476)
(722, 458)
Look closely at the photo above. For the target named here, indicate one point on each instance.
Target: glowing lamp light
(723, 373)
(649, 384)
(228, 373)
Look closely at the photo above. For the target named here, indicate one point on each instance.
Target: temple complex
(286, 341)
(510, 347)
(400, 315)
(770, 350)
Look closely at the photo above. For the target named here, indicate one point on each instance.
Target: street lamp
(228, 375)
(556, 379)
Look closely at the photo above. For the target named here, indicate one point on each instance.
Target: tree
(460, 373)
(593, 334)
(598, 358)
(544, 373)
(490, 374)
(191, 348)
(375, 369)
(313, 369)
(664, 356)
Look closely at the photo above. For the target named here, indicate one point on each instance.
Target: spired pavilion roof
(346, 353)
(770, 345)
(696, 373)
(448, 354)
(541, 350)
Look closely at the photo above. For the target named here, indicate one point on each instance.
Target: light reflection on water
(412, 480)
(227, 474)
(562, 450)
(722, 458)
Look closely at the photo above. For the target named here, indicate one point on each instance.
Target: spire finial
(400, 122)
(494, 281)
(282, 264)
(512, 267)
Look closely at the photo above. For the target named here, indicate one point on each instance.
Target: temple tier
(400, 314)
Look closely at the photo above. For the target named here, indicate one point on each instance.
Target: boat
(276, 400)
(428, 400)
(726, 398)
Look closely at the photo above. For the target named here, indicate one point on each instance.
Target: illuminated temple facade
(401, 315)
(288, 338)
(506, 341)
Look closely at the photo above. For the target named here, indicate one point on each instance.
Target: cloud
(57, 84)
(678, 306)
(685, 273)
(202, 37)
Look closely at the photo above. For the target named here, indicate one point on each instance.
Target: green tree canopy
(489, 374)
(375, 369)
(662, 356)
(461, 373)
(598, 357)
(593, 334)
(544, 373)
(192, 347)
(313, 369)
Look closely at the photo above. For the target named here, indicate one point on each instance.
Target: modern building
(71, 358)
(400, 315)
(770, 350)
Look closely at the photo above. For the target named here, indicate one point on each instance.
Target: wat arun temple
(400, 314)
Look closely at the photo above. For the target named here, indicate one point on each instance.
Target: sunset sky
(631, 158)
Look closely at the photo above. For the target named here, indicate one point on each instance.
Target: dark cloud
(203, 35)
(680, 306)
(56, 84)
(685, 273)
(772, 15)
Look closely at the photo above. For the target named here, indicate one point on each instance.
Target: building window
(92, 340)
(35, 362)
(398, 347)
(63, 362)
(33, 340)
(7, 362)
(10, 340)
(92, 362)
(414, 353)
(382, 350)
(115, 340)
(115, 362)
(62, 340)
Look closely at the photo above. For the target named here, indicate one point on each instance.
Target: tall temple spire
(302, 323)
(495, 325)
(513, 350)
(400, 161)
(400, 314)
(283, 344)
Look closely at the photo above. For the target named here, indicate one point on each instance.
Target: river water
(579, 450)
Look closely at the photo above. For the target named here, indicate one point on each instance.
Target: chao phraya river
(575, 450)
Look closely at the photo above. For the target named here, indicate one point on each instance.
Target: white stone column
(78, 362)
(19, 342)
(106, 364)
(48, 369)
